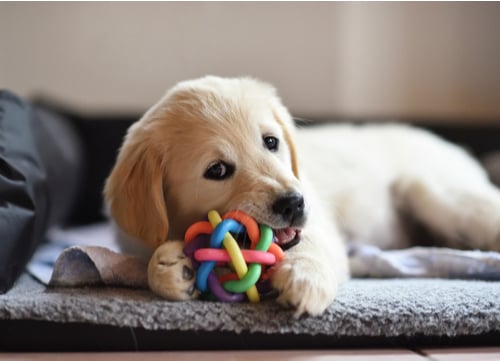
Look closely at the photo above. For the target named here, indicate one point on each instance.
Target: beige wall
(424, 60)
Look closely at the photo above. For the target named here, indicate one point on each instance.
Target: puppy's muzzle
(290, 207)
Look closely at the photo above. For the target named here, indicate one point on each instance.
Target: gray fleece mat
(405, 306)
(389, 307)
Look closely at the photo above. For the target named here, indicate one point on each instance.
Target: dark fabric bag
(40, 166)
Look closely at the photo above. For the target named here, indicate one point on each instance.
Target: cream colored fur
(356, 181)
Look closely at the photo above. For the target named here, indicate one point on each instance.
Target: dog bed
(409, 311)
(77, 295)
(367, 312)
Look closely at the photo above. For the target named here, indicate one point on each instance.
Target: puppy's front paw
(171, 274)
(305, 285)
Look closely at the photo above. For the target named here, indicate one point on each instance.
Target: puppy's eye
(219, 170)
(271, 143)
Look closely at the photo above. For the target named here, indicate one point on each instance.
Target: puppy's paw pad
(171, 274)
(304, 286)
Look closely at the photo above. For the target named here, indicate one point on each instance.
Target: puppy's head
(210, 143)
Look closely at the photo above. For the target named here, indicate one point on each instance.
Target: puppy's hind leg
(464, 214)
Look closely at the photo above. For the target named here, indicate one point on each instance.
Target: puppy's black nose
(290, 207)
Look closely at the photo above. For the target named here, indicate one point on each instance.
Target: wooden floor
(455, 354)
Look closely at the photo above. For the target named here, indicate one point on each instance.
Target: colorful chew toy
(212, 247)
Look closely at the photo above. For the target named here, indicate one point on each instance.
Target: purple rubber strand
(220, 292)
(201, 241)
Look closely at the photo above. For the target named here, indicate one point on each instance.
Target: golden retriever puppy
(215, 143)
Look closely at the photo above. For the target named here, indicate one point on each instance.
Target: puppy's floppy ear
(285, 120)
(135, 190)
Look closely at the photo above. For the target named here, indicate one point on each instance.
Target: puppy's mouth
(287, 237)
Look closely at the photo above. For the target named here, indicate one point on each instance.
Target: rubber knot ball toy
(216, 253)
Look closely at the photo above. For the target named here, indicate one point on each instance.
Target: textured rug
(409, 307)
(389, 308)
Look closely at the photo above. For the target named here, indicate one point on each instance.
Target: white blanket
(88, 256)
